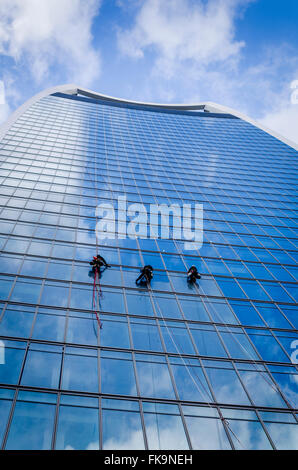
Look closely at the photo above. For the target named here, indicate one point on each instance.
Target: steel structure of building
(175, 366)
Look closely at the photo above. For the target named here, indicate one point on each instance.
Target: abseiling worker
(193, 275)
(97, 262)
(146, 275)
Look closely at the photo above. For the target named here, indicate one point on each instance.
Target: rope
(154, 390)
(98, 293)
(187, 368)
(249, 355)
(96, 285)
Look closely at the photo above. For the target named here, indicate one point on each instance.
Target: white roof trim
(69, 89)
(206, 106)
(217, 108)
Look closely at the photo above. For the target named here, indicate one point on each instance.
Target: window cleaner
(97, 263)
(193, 275)
(145, 276)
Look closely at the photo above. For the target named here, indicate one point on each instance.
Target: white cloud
(4, 106)
(179, 30)
(48, 33)
(4, 112)
(196, 56)
(283, 120)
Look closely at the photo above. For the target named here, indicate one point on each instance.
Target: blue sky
(239, 53)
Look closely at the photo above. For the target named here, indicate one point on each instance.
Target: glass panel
(165, 431)
(31, 427)
(267, 346)
(207, 341)
(207, 433)
(13, 357)
(54, 294)
(42, 368)
(237, 343)
(286, 378)
(261, 389)
(194, 309)
(145, 335)
(154, 380)
(49, 325)
(77, 428)
(16, 322)
(5, 404)
(250, 434)
(139, 304)
(121, 430)
(82, 330)
(226, 386)
(190, 381)
(117, 376)
(26, 291)
(80, 373)
(284, 436)
(114, 332)
(176, 338)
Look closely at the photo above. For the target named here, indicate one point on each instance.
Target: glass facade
(173, 367)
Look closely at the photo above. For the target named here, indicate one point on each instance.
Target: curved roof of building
(207, 106)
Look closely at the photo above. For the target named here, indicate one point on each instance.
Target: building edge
(207, 106)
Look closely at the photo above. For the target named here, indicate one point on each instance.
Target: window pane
(77, 428)
(54, 294)
(145, 335)
(117, 376)
(6, 397)
(114, 332)
(16, 322)
(190, 381)
(80, 373)
(13, 355)
(154, 380)
(207, 433)
(208, 342)
(31, 427)
(49, 326)
(260, 390)
(165, 432)
(82, 330)
(284, 435)
(226, 386)
(122, 430)
(250, 434)
(42, 368)
(26, 291)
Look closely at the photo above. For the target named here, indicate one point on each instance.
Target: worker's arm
(104, 262)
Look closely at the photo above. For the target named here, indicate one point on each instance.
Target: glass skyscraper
(174, 366)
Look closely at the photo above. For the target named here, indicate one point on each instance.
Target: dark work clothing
(97, 262)
(193, 275)
(146, 275)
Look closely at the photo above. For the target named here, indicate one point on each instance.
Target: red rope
(96, 274)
